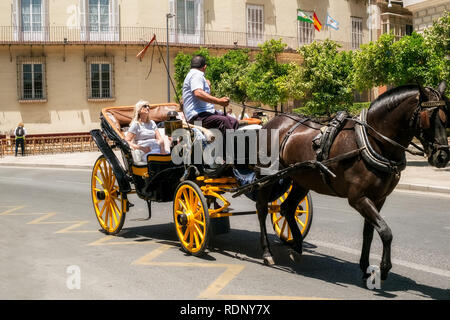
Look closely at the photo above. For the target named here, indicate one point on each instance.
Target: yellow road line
(70, 229)
(223, 280)
(4, 213)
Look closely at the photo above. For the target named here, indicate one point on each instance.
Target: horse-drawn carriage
(360, 159)
(200, 207)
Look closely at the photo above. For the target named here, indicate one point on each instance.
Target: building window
(100, 78)
(187, 23)
(397, 26)
(29, 19)
(31, 15)
(305, 31)
(99, 15)
(255, 24)
(186, 16)
(409, 29)
(357, 34)
(99, 20)
(31, 78)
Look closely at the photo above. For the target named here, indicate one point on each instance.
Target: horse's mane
(392, 98)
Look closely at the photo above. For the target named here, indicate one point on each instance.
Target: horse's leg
(367, 241)
(262, 210)
(370, 213)
(288, 208)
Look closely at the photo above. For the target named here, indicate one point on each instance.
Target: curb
(423, 188)
(44, 165)
(401, 186)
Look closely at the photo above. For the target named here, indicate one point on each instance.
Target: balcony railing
(138, 35)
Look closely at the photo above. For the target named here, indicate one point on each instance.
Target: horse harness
(324, 140)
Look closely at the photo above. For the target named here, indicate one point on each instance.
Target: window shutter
(116, 15)
(171, 25)
(15, 19)
(83, 19)
(45, 19)
(199, 27)
(114, 18)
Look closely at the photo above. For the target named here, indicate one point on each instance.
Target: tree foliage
(327, 78)
(412, 59)
(219, 70)
(324, 79)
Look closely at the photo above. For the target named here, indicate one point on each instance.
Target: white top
(145, 135)
(194, 80)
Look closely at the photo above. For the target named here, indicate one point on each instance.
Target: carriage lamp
(172, 123)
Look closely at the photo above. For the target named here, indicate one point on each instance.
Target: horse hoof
(295, 256)
(268, 261)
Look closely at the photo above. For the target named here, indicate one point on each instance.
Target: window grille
(31, 78)
(357, 34)
(305, 31)
(100, 78)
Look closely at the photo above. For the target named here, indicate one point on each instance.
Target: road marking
(107, 241)
(214, 289)
(74, 224)
(411, 265)
(13, 208)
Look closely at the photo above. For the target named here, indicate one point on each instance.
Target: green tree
(219, 69)
(232, 84)
(263, 75)
(324, 79)
(437, 38)
(412, 59)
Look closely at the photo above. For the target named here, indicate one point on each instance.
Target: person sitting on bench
(143, 133)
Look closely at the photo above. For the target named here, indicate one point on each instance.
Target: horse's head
(432, 114)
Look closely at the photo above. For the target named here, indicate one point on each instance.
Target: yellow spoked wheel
(109, 203)
(191, 217)
(303, 217)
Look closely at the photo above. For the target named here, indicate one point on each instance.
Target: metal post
(169, 15)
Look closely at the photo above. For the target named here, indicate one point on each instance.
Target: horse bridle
(421, 122)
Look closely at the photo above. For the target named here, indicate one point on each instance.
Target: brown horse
(372, 173)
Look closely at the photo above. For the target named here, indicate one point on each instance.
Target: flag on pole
(316, 22)
(332, 22)
(141, 54)
(301, 16)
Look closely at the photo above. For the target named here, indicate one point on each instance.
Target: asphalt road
(52, 249)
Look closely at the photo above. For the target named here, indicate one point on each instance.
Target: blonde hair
(20, 124)
(137, 109)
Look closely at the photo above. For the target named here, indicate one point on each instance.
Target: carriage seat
(119, 119)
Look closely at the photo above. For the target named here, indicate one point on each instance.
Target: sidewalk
(418, 175)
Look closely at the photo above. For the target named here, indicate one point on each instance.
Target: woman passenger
(143, 133)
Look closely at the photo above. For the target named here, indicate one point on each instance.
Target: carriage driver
(199, 103)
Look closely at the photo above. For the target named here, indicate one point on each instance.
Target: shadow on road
(243, 245)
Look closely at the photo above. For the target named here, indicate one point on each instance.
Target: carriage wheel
(191, 217)
(109, 203)
(303, 217)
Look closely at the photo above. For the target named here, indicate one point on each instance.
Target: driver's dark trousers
(216, 121)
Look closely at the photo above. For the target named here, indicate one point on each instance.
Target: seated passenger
(143, 133)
